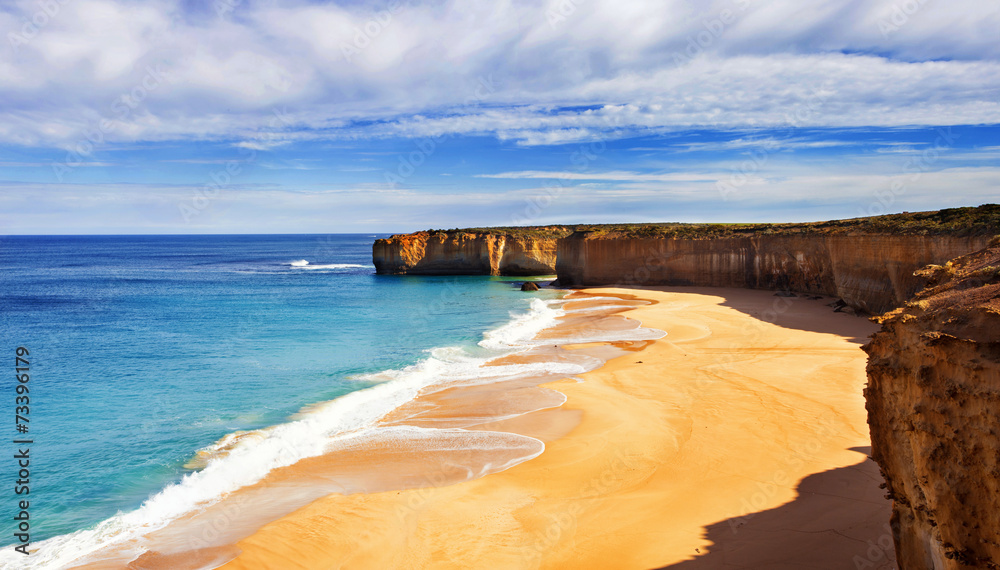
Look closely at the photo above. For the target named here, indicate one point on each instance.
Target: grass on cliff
(971, 221)
(521, 231)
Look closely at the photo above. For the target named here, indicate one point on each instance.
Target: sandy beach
(737, 441)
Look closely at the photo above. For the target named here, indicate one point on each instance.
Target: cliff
(871, 272)
(867, 262)
(469, 252)
(933, 402)
(933, 396)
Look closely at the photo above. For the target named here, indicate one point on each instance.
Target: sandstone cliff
(867, 262)
(933, 402)
(460, 252)
(871, 272)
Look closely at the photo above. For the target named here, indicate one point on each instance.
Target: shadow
(802, 312)
(839, 520)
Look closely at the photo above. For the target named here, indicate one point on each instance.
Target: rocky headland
(498, 251)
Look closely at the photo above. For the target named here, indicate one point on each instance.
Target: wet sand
(472, 420)
(724, 445)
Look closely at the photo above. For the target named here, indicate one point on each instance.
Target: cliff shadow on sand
(788, 311)
(839, 519)
(784, 311)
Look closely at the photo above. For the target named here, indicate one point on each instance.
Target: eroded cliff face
(933, 402)
(873, 273)
(871, 269)
(464, 253)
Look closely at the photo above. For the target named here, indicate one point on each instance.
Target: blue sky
(250, 116)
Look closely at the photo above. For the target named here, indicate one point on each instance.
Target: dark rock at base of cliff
(529, 286)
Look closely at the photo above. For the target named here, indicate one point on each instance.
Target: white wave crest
(304, 264)
(522, 328)
(247, 460)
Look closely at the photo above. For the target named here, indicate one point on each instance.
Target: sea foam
(305, 264)
(242, 459)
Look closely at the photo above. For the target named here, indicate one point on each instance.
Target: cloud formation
(536, 73)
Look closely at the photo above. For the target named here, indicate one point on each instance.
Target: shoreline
(720, 443)
(475, 415)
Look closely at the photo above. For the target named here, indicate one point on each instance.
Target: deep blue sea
(145, 349)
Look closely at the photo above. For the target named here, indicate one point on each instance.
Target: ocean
(151, 355)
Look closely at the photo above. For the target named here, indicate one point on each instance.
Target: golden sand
(733, 442)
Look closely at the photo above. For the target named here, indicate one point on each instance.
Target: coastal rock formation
(467, 253)
(873, 273)
(933, 402)
(867, 262)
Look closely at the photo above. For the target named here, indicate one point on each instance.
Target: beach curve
(702, 428)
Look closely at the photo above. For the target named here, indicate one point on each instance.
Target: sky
(267, 116)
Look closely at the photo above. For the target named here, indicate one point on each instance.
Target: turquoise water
(145, 349)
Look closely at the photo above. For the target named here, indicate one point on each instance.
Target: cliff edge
(933, 400)
(872, 272)
(867, 262)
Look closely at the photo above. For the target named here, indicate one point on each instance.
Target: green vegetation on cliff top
(982, 220)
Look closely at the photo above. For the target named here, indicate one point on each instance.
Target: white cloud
(22, 164)
(766, 143)
(260, 144)
(779, 191)
(614, 175)
(424, 71)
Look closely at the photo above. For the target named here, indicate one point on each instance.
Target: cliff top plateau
(967, 283)
(981, 220)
